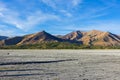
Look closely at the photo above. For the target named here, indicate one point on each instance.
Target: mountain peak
(43, 31)
(95, 31)
(75, 35)
(94, 37)
(42, 36)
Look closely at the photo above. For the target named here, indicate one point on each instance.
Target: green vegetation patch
(57, 45)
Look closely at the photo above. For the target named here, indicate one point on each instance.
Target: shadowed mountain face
(94, 37)
(3, 37)
(13, 41)
(74, 35)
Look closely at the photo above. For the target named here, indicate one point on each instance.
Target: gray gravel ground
(59, 64)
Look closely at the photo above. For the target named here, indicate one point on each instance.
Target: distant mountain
(3, 37)
(94, 37)
(38, 38)
(59, 36)
(90, 38)
(13, 40)
(76, 35)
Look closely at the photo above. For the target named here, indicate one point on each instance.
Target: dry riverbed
(59, 64)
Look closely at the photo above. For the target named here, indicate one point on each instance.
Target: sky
(20, 17)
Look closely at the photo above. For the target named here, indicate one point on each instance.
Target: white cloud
(7, 33)
(76, 2)
(65, 7)
(50, 3)
(1, 14)
(34, 19)
(62, 4)
(4, 31)
(91, 13)
(13, 17)
(66, 13)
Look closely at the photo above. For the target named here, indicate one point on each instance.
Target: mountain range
(91, 38)
(3, 37)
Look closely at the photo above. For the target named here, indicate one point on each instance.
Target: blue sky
(19, 17)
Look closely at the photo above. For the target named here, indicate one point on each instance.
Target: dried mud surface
(59, 64)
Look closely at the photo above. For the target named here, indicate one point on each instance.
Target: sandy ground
(59, 64)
